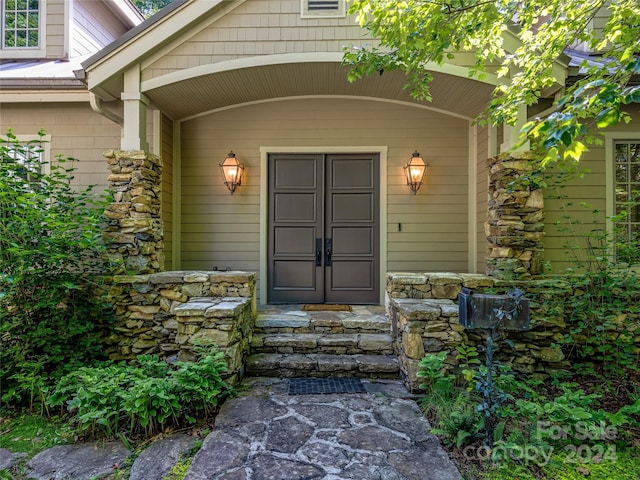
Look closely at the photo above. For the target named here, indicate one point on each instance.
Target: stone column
(514, 226)
(134, 234)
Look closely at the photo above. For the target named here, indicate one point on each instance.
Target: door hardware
(328, 243)
(318, 252)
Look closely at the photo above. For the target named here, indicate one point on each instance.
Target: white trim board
(289, 58)
(609, 139)
(341, 97)
(472, 192)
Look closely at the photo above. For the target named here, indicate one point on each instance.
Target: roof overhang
(41, 83)
(126, 11)
(192, 92)
(189, 92)
(45, 96)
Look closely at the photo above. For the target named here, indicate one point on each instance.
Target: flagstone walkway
(267, 434)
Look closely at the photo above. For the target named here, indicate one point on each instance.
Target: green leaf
(608, 117)
(575, 150)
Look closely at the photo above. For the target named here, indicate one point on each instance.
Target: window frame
(45, 145)
(611, 140)
(306, 13)
(25, 52)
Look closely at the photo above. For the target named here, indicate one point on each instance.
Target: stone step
(331, 343)
(322, 365)
(321, 322)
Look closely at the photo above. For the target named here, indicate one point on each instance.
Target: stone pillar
(514, 226)
(134, 234)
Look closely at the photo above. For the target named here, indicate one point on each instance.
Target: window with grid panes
(21, 23)
(26, 159)
(627, 200)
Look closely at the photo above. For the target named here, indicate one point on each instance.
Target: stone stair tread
(322, 322)
(345, 339)
(302, 340)
(321, 364)
(364, 341)
(367, 322)
(281, 321)
(318, 336)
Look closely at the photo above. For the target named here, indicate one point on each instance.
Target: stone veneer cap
(417, 309)
(446, 278)
(131, 278)
(228, 306)
(196, 306)
(474, 280)
(407, 278)
(167, 277)
(232, 276)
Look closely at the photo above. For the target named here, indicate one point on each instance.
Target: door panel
(355, 207)
(323, 229)
(351, 222)
(295, 222)
(295, 172)
(294, 240)
(353, 241)
(353, 173)
(295, 207)
(294, 275)
(348, 278)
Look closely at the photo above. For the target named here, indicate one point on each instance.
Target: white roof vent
(323, 8)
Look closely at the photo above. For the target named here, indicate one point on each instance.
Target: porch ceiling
(179, 100)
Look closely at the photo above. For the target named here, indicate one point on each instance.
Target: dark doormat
(318, 307)
(315, 386)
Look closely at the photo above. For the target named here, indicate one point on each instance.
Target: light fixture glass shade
(232, 172)
(414, 171)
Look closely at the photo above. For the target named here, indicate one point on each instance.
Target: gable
(62, 29)
(94, 27)
(255, 28)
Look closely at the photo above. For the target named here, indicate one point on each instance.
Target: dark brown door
(323, 228)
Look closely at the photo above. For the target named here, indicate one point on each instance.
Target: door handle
(318, 252)
(328, 243)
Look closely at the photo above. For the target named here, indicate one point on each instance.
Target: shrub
(51, 253)
(603, 314)
(150, 395)
(451, 406)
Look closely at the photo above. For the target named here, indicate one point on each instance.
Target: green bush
(603, 313)
(143, 398)
(450, 403)
(51, 254)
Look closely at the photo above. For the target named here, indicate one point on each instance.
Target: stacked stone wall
(514, 226)
(423, 311)
(164, 313)
(134, 234)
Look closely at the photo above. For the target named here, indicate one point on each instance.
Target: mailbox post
(479, 311)
(492, 314)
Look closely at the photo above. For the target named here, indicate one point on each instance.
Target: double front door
(323, 228)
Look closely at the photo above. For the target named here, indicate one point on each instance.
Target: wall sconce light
(231, 172)
(414, 171)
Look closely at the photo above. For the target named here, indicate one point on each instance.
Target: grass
(626, 466)
(566, 428)
(31, 434)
